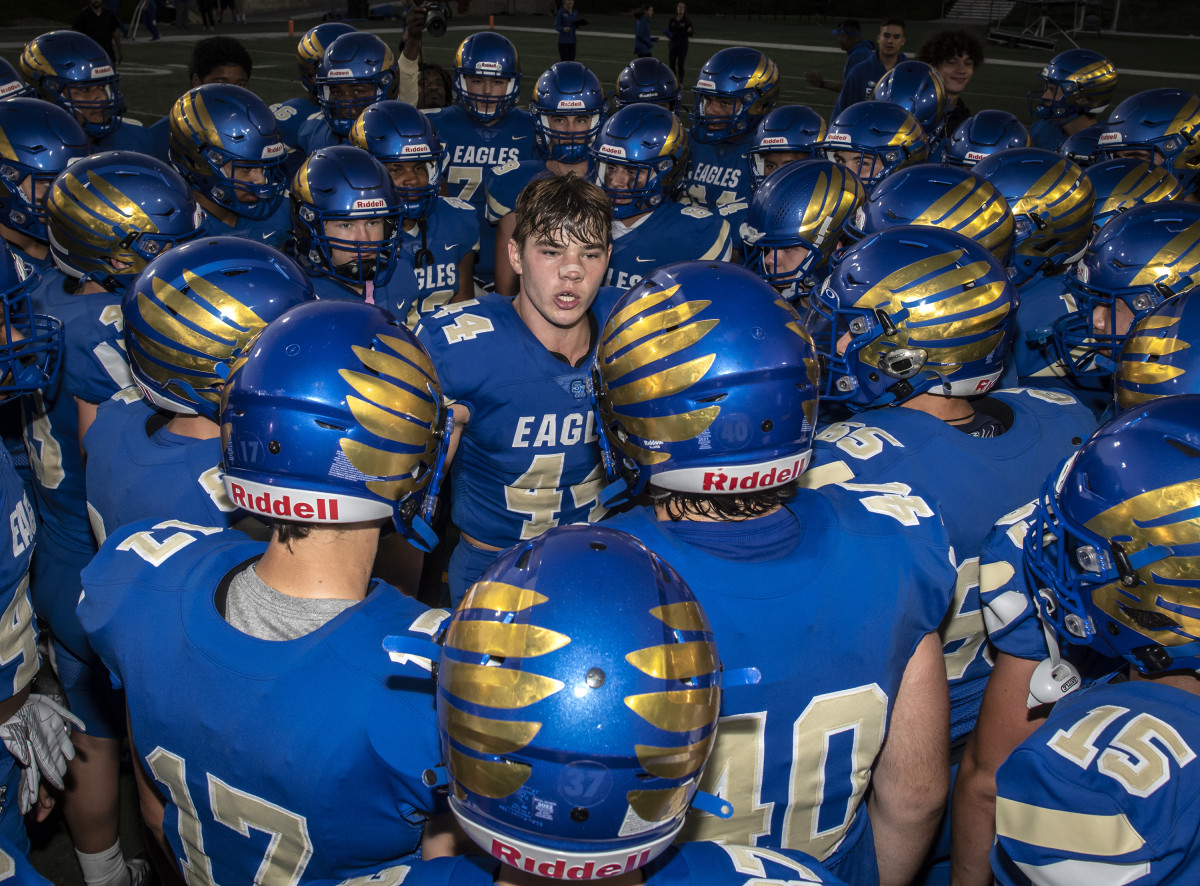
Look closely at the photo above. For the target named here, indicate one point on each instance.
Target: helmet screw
(1113, 629)
(273, 447)
(767, 425)
(1074, 625)
(579, 814)
(595, 678)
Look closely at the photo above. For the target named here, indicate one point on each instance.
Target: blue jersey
(859, 82)
(315, 133)
(718, 176)
(671, 232)
(503, 184)
(290, 115)
(451, 233)
(688, 864)
(828, 598)
(160, 138)
(274, 230)
(41, 265)
(138, 470)
(18, 635)
(1046, 134)
(971, 481)
(1106, 791)
(299, 759)
(529, 458)
(131, 135)
(396, 295)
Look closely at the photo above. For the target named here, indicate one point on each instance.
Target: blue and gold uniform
(671, 232)
(451, 233)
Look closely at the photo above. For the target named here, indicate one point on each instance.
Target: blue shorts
(467, 563)
(90, 693)
(12, 824)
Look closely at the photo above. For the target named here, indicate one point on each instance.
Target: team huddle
(472, 494)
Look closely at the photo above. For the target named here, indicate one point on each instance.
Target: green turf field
(154, 74)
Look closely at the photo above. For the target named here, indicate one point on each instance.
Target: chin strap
(1054, 677)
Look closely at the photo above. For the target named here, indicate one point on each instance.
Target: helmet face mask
(487, 76)
(1161, 126)
(786, 134)
(567, 110)
(1078, 81)
(640, 156)
(405, 142)
(39, 141)
(735, 88)
(73, 71)
(873, 139)
(31, 350)
(357, 70)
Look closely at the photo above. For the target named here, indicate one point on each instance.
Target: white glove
(39, 738)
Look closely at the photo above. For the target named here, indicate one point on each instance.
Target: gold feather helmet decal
(1156, 357)
(838, 195)
(1060, 203)
(1141, 183)
(87, 210)
(975, 209)
(1178, 261)
(191, 128)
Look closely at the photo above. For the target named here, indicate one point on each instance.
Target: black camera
(437, 14)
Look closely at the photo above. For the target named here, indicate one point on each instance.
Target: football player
(787, 133)
(918, 88)
(1077, 87)
(12, 84)
(982, 135)
(706, 387)
(188, 317)
(292, 112)
(226, 144)
(647, 80)
(1157, 359)
(1160, 126)
(567, 110)
(438, 236)
(357, 70)
(639, 156)
(1126, 182)
(71, 70)
(276, 645)
(955, 55)
(482, 129)
(524, 444)
(861, 79)
(873, 139)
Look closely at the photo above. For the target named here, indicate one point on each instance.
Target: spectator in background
(206, 14)
(181, 14)
(861, 79)
(434, 87)
(150, 14)
(565, 22)
(220, 60)
(954, 55)
(850, 39)
(643, 42)
(678, 29)
(225, 4)
(101, 24)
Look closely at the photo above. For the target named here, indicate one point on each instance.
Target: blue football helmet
(196, 309)
(1138, 260)
(647, 80)
(335, 416)
(1078, 81)
(31, 351)
(705, 381)
(1161, 355)
(226, 143)
(949, 197)
(396, 132)
(358, 62)
(885, 136)
(61, 63)
(12, 84)
(918, 88)
(790, 129)
(541, 676)
(1051, 202)
(804, 204)
(1127, 182)
(1164, 123)
(984, 134)
(37, 141)
(1114, 543)
(567, 89)
(342, 183)
(1082, 147)
(117, 207)
(743, 77)
(491, 55)
(912, 310)
(649, 142)
(312, 48)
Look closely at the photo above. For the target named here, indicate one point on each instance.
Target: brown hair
(942, 46)
(563, 206)
(724, 508)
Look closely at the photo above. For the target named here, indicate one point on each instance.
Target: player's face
(775, 159)
(433, 90)
(857, 163)
(891, 41)
(230, 73)
(91, 92)
(350, 98)
(785, 261)
(625, 178)
(559, 280)
(570, 124)
(409, 175)
(680, 9)
(1150, 155)
(956, 73)
(720, 106)
(350, 231)
(486, 88)
(1112, 322)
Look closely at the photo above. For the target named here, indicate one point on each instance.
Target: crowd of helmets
(921, 259)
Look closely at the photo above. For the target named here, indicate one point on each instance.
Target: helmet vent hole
(1147, 620)
(715, 398)
(273, 447)
(329, 426)
(597, 546)
(235, 272)
(1189, 451)
(523, 560)
(767, 425)
(579, 814)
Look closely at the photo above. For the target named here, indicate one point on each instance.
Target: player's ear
(514, 255)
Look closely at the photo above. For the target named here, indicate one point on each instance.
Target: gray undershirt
(255, 608)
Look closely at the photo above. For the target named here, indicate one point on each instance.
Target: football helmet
(1112, 546)
(541, 676)
(357, 70)
(567, 89)
(647, 142)
(1078, 81)
(791, 129)
(1159, 358)
(62, 64)
(1126, 182)
(949, 197)
(647, 80)
(31, 351)
(912, 310)
(335, 416)
(37, 141)
(805, 204)
(1051, 202)
(491, 55)
(705, 381)
(983, 135)
(312, 48)
(343, 183)
(196, 309)
(1165, 122)
(117, 207)
(746, 81)
(12, 84)
(918, 88)
(1081, 147)
(1139, 259)
(220, 125)
(886, 137)
(396, 132)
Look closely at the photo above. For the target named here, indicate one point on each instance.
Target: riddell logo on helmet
(318, 508)
(340, 74)
(416, 149)
(773, 141)
(569, 104)
(976, 155)
(1109, 138)
(377, 203)
(274, 150)
(8, 88)
(705, 84)
(841, 138)
(492, 68)
(612, 151)
(731, 481)
(561, 869)
(102, 71)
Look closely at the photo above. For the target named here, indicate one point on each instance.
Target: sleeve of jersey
(499, 186)
(720, 242)
(1009, 613)
(95, 356)
(464, 232)
(1053, 828)
(705, 863)
(443, 336)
